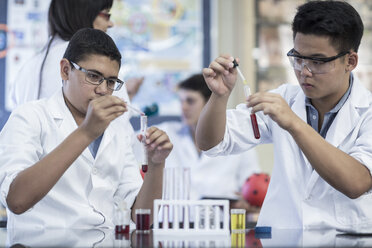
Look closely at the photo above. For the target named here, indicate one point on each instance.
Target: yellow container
(237, 219)
(237, 238)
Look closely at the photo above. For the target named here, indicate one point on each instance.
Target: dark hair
(89, 41)
(66, 17)
(197, 83)
(336, 19)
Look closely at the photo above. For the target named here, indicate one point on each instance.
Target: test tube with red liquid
(143, 220)
(143, 132)
(247, 93)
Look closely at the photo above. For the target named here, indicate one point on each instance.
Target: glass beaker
(143, 220)
(237, 219)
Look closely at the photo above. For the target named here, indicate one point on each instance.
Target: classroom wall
(3, 18)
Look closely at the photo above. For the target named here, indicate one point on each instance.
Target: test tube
(216, 217)
(247, 93)
(143, 132)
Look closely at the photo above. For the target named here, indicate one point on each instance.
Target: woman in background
(40, 76)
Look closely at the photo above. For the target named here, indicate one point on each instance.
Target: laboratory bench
(245, 238)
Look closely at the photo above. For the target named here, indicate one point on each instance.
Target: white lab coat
(297, 196)
(84, 196)
(26, 85)
(213, 177)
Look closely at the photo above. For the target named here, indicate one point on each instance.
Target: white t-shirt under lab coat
(211, 177)
(84, 196)
(297, 196)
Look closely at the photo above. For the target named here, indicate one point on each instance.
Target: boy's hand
(101, 111)
(158, 145)
(220, 76)
(275, 106)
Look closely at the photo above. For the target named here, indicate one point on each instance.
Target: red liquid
(144, 168)
(143, 222)
(256, 131)
(122, 229)
(143, 240)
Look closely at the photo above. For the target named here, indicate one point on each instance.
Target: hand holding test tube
(143, 141)
(143, 132)
(247, 93)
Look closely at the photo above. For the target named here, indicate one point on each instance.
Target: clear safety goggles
(314, 65)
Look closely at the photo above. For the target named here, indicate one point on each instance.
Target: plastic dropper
(247, 93)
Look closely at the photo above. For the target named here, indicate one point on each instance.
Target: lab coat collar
(64, 119)
(299, 108)
(106, 139)
(348, 116)
(57, 106)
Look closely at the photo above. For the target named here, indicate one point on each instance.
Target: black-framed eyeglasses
(96, 78)
(107, 16)
(316, 65)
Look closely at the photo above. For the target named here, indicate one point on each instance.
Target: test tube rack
(210, 217)
(181, 241)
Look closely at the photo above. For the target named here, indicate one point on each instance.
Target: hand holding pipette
(247, 93)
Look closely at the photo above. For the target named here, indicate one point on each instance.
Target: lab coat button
(94, 171)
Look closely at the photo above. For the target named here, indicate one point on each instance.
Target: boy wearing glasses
(64, 160)
(321, 128)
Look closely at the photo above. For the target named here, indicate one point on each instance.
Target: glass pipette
(143, 141)
(247, 93)
(135, 109)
